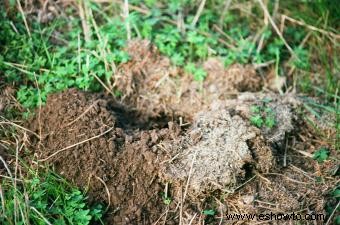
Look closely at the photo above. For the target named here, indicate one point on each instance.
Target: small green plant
(263, 115)
(198, 73)
(256, 120)
(336, 193)
(41, 68)
(45, 199)
(321, 155)
(167, 201)
(209, 212)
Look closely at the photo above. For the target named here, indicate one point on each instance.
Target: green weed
(167, 201)
(40, 68)
(209, 212)
(262, 115)
(321, 155)
(45, 198)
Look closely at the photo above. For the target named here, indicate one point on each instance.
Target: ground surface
(193, 111)
(195, 148)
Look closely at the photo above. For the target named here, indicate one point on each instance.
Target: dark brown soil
(117, 168)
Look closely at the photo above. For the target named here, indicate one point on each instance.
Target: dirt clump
(282, 107)
(117, 168)
(290, 186)
(213, 152)
(221, 143)
(150, 83)
(145, 80)
(235, 78)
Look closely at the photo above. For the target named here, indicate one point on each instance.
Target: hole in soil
(131, 119)
(248, 169)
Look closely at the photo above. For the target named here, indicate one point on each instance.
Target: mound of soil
(282, 107)
(117, 168)
(151, 85)
(89, 140)
(133, 157)
(101, 146)
(213, 153)
(222, 81)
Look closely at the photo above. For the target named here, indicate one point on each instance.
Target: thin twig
(101, 49)
(2, 198)
(126, 17)
(163, 214)
(252, 178)
(330, 217)
(35, 210)
(107, 191)
(81, 115)
(74, 145)
(224, 12)
(307, 154)
(16, 201)
(192, 219)
(218, 29)
(86, 29)
(188, 180)
(301, 171)
(79, 57)
(276, 8)
(198, 13)
(180, 22)
(291, 58)
(301, 23)
(39, 113)
(10, 178)
(285, 153)
(24, 18)
(14, 28)
(18, 126)
(102, 83)
(288, 178)
(265, 10)
(6, 167)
